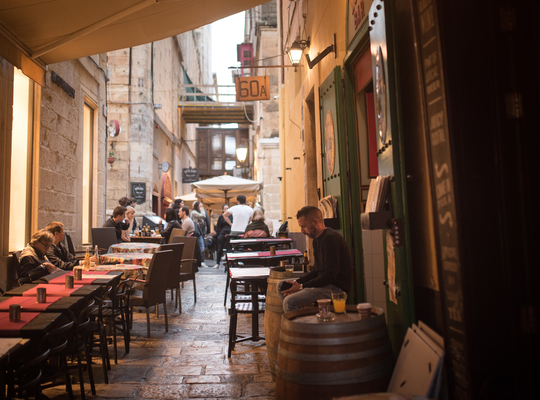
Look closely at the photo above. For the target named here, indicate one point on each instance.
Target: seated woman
(131, 223)
(257, 228)
(170, 218)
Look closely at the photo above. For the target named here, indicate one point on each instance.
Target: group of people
(46, 253)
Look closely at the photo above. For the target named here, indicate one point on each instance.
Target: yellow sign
(252, 88)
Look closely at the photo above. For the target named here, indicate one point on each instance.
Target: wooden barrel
(322, 360)
(273, 312)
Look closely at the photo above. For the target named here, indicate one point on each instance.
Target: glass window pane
(229, 165)
(20, 153)
(217, 164)
(230, 145)
(216, 143)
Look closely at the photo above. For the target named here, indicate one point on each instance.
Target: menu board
(138, 191)
(441, 164)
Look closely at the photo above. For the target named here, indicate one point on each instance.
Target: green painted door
(400, 306)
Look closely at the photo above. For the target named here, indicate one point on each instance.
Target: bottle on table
(96, 253)
(86, 264)
(305, 263)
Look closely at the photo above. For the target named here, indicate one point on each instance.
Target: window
(21, 161)
(87, 178)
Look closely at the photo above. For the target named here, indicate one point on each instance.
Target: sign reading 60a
(252, 88)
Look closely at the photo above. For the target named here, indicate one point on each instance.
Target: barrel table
(273, 313)
(323, 360)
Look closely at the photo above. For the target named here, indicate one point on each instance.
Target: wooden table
(128, 270)
(70, 306)
(85, 291)
(101, 278)
(134, 248)
(262, 257)
(38, 324)
(260, 244)
(146, 239)
(9, 348)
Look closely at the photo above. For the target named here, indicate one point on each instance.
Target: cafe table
(128, 270)
(10, 348)
(70, 306)
(260, 244)
(29, 289)
(134, 248)
(262, 257)
(146, 239)
(142, 259)
(102, 278)
(33, 325)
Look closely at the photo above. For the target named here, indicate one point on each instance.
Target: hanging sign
(138, 190)
(190, 175)
(250, 88)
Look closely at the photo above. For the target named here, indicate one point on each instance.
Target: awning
(220, 189)
(34, 33)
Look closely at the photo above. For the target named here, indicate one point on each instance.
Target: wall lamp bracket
(330, 49)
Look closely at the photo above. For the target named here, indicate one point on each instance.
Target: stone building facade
(143, 98)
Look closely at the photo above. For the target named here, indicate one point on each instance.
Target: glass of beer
(339, 302)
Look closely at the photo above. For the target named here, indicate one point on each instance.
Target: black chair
(23, 376)
(173, 280)
(248, 296)
(155, 287)
(79, 254)
(54, 370)
(15, 257)
(103, 238)
(96, 328)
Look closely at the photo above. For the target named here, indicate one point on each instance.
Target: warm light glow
(241, 153)
(88, 138)
(21, 145)
(295, 53)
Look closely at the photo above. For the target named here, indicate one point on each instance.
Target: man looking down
(332, 271)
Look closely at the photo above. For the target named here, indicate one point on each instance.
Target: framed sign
(250, 88)
(138, 191)
(190, 175)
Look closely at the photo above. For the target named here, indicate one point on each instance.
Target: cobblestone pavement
(190, 361)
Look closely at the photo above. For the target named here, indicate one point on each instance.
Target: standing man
(57, 253)
(116, 222)
(332, 272)
(241, 214)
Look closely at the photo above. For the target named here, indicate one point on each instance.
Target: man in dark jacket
(116, 222)
(57, 253)
(34, 263)
(332, 272)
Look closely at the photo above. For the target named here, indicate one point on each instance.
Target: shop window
(21, 161)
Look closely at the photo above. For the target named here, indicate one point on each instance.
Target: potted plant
(111, 157)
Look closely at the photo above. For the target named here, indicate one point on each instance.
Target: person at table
(57, 252)
(241, 213)
(33, 260)
(257, 228)
(116, 222)
(332, 271)
(269, 223)
(176, 206)
(131, 222)
(172, 223)
(222, 230)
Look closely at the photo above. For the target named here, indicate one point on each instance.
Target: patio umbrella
(220, 189)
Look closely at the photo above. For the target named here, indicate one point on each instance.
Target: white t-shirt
(241, 215)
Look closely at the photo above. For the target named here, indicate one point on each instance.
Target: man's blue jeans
(305, 296)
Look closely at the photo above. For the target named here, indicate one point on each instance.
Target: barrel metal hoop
(365, 374)
(333, 341)
(387, 348)
(330, 328)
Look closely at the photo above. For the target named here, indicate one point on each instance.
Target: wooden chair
(187, 270)
(23, 376)
(176, 232)
(103, 238)
(155, 287)
(173, 280)
(96, 327)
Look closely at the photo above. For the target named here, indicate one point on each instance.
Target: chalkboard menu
(446, 223)
(138, 190)
(190, 175)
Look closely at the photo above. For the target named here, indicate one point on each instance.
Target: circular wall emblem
(165, 166)
(380, 91)
(329, 142)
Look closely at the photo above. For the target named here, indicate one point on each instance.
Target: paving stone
(215, 390)
(201, 350)
(127, 374)
(195, 360)
(259, 389)
(115, 391)
(159, 392)
(177, 370)
(204, 379)
(231, 369)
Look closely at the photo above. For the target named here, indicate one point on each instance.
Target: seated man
(332, 272)
(33, 260)
(116, 222)
(57, 253)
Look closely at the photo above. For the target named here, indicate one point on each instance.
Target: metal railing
(196, 93)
